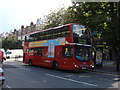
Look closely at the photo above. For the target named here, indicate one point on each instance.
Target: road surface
(20, 75)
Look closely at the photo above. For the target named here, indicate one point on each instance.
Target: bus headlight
(76, 65)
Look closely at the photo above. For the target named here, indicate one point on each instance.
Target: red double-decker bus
(64, 47)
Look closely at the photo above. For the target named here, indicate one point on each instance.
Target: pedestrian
(16, 57)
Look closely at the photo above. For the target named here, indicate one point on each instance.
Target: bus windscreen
(83, 53)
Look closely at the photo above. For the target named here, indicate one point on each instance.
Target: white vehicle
(14, 52)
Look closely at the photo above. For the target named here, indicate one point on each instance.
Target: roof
(51, 28)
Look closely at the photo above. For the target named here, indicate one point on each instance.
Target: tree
(99, 16)
(55, 18)
(11, 43)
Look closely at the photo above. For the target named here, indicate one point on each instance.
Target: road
(20, 75)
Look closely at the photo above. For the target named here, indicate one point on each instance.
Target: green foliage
(55, 18)
(11, 43)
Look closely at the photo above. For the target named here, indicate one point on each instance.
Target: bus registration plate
(83, 67)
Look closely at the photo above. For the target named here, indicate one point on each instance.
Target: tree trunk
(114, 55)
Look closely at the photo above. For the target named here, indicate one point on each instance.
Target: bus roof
(51, 28)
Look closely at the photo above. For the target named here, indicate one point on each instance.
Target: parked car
(2, 77)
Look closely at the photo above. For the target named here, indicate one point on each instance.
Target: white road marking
(72, 80)
(8, 86)
(25, 69)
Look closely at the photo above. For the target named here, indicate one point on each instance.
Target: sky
(15, 13)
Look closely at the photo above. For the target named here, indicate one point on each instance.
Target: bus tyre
(55, 66)
(30, 63)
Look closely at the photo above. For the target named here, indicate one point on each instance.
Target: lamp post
(118, 52)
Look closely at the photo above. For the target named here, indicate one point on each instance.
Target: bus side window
(30, 51)
(38, 52)
(67, 52)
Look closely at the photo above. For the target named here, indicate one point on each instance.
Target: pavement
(108, 67)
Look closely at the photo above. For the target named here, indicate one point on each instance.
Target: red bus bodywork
(70, 63)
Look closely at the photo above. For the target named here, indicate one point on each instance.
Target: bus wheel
(55, 66)
(30, 63)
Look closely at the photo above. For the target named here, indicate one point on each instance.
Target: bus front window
(82, 53)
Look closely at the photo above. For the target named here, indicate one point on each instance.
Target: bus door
(38, 53)
(67, 56)
(58, 52)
